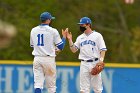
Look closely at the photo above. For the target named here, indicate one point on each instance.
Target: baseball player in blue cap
(44, 39)
(92, 52)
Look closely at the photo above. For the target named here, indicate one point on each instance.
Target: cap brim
(80, 23)
(53, 18)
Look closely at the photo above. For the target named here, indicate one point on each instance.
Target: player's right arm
(73, 47)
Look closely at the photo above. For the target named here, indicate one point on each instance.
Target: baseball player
(44, 39)
(92, 51)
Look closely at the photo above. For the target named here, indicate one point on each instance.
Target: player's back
(42, 40)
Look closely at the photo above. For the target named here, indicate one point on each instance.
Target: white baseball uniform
(43, 39)
(90, 47)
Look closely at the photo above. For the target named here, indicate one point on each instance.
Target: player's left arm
(102, 48)
(102, 55)
(31, 41)
(61, 44)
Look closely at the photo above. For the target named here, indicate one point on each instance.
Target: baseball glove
(98, 68)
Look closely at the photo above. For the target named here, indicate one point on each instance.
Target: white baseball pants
(45, 68)
(87, 80)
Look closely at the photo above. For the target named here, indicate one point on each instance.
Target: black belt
(90, 60)
(42, 56)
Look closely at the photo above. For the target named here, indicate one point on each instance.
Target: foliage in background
(116, 21)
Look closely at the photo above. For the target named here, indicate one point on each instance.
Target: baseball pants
(45, 68)
(87, 80)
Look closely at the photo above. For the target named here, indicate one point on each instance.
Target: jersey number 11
(40, 40)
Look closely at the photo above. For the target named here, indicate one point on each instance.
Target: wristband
(72, 45)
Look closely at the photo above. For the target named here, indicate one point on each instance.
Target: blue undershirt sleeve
(61, 45)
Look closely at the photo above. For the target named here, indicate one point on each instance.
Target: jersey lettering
(87, 42)
(40, 40)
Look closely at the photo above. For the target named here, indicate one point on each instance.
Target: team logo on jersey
(82, 38)
(86, 42)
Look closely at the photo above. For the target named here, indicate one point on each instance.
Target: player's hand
(69, 36)
(57, 51)
(64, 32)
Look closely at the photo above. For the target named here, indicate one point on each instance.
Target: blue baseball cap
(45, 16)
(85, 20)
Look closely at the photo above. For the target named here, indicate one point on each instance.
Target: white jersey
(90, 45)
(43, 40)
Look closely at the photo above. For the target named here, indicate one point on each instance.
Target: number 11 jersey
(44, 39)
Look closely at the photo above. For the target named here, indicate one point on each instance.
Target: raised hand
(69, 36)
(64, 32)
